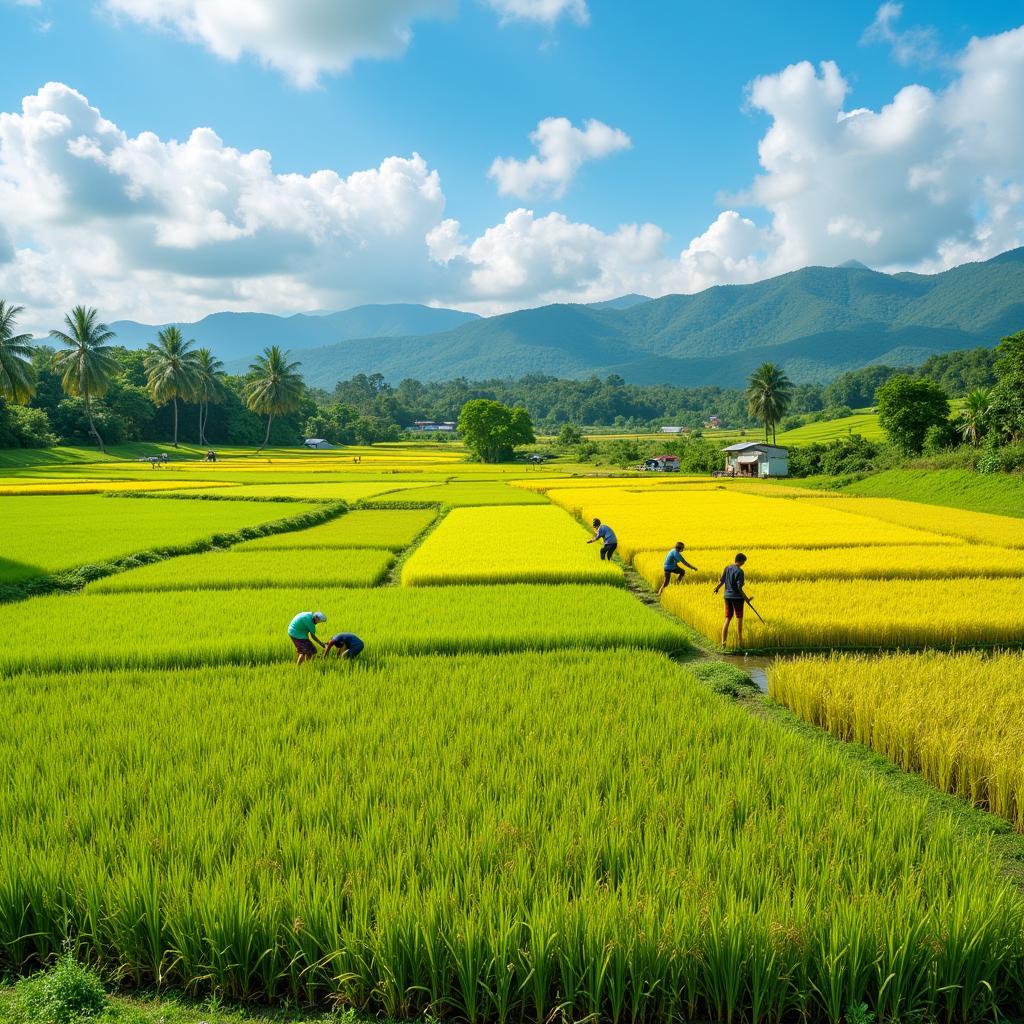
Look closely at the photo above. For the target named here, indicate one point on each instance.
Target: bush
(66, 993)
(941, 437)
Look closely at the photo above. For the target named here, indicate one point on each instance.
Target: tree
(172, 370)
(975, 415)
(492, 430)
(16, 383)
(570, 435)
(274, 387)
(1008, 392)
(768, 395)
(907, 407)
(209, 386)
(88, 365)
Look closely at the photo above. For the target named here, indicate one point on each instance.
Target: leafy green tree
(492, 430)
(209, 386)
(87, 366)
(907, 407)
(769, 391)
(274, 387)
(570, 435)
(1007, 393)
(16, 381)
(976, 415)
(172, 370)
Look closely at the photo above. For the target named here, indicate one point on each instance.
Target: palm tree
(274, 387)
(16, 383)
(769, 391)
(975, 415)
(171, 368)
(88, 366)
(209, 385)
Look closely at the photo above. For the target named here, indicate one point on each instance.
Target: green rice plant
(802, 615)
(43, 534)
(231, 570)
(475, 492)
(495, 544)
(362, 528)
(535, 847)
(957, 719)
(195, 627)
(317, 490)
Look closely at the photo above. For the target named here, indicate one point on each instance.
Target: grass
(194, 627)
(476, 492)
(998, 493)
(393, 529)
(44, 534)
(232, 570)
(956, 719)
(534, 846)
(506, 545)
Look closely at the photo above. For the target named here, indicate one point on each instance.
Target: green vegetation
(462, 492)
(769, 393)
(1001, 494)
(47, 533)
(663, 857)
(363, 528)
(491, 431)
(231, 570)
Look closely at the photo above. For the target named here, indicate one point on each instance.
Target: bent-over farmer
(673, 560)
(609, 542)
(302, 631)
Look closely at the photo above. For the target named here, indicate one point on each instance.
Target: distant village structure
(756, 459)
(431, 427)
(316, 442)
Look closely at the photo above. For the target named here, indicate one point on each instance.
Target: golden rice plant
(958, 719)
(393, 529)
(502, 545)
(958, 612)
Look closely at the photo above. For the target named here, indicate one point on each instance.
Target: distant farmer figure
(606, 535)
(345, 645)
(303, 633)
(673, 560)
(733, 579)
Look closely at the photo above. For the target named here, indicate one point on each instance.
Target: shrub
(66, 993)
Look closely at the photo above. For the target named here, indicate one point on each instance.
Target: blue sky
(475, 79)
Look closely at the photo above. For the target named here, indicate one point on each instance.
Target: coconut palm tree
(975, 415)
(172, 370)
(274, 387)
(88, 366)
(16, 383)
(769, 392)
(209, 385)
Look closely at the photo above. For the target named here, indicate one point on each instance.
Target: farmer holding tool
(733, 579)
(673, 560)
(345, 645)
(302, 631)
(604, 533)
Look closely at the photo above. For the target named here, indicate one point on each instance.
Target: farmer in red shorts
(302, 631)
(735, 597)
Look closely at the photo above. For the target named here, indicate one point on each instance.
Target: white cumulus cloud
(562, 149)
(918, 44)
(548, 11)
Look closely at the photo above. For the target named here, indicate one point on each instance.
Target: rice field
(393, 529)
(236, 569)
(475, 492)
(956, 719)
(507, 544)
(326, 490)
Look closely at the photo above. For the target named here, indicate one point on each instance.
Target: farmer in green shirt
(303, 634)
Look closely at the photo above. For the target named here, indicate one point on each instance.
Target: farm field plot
(997, 493)
(534, 842)
(475, 492)
(328, 490)
(721, 518)
(507, 544)
(100, 486)
(869, 562)
(956, 719)
(45, 533)
(393, 529)
(965, 611)
(229, 570)
(194, 627)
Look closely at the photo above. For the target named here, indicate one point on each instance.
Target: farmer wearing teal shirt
(673, 560)
(303, 634)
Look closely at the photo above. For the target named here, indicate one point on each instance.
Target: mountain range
(816, 323)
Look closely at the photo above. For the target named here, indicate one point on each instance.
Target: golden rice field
(393, 529)
(957, 719)
(501, 544)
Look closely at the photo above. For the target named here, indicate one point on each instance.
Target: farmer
(604, 533)
(302, 631)
(673, 560)
(345, 645)
(735, 597)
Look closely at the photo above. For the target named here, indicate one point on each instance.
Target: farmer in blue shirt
(733, 579)
(606, 535)
(345, 645)
(673, 560)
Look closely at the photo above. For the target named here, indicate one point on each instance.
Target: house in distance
(756, 459)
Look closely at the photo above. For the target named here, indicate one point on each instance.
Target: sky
(164, 159)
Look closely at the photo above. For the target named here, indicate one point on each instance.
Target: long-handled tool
(756, 612)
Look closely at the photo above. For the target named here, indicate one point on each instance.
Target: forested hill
(817, 322)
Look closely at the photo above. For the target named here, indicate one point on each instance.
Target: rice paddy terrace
(541, 793)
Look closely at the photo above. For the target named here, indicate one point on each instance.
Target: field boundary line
(393, 577)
